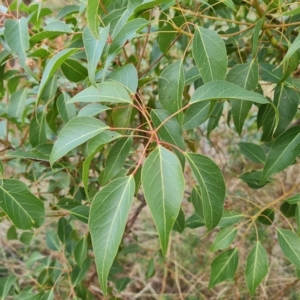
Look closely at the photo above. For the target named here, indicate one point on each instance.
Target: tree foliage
(103, 105)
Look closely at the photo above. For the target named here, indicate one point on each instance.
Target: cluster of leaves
(101, 102)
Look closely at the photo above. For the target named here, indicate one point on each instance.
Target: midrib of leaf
(206, 190)
(211, 74)
(225, 265)
(16, 203)
(112, 223)
(253, 266)
(289, 245)
(163, 194)
(91, 132)
(279, 157)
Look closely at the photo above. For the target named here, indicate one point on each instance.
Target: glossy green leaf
(245, 76)
(255, 36)
(80, 251)
(292, 49)
(52, 66)
(93, 48)
(20, 205)
(94, 146)
(196, 115)
(194, 221)
(283, 152)
(179, 224)
(66, 110)
(74, 70)
(92, 110)
(92, 17)
(229, 218)
(17, 37)
(288, 209)
(116, 158)
(126, 76)
(294, 199)
(224, 238)
(74, 133)
(253, 179)
(170, 131)
(267, 216)
(37, 129)
(224, 267)
(253, 152)
(211, 185)
(289, 243)
(163, 186)
(170, 87)
(17, 103)
(104, 92)
(126, 33)
(109, 212)
(80, 213)
(256, 267)
(6, 284)
(210, 55)
(219, 90)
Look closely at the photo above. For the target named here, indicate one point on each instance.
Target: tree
(103, 102)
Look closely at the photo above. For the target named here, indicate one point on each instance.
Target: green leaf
(223, 239)
(20, 205)
(37, 130)
(210, 55)
(93, 48)
(67, 10)
(81, 213)
(211, 186)
(66, 110)
(16, 105)
(229, 3)
(283, 152)
(289, 243)
(253, 179)
(170, 131)
(163, 185)
(127, 33)
(179, 224)
(58, 26)
(224, 267)
(219, 90)
(266, 217)
(78, 274)
(150, 4)
(255, 36)
(17, 37)
(292, 49)
(74, 70)
(197, 201)
(196, 115)
(253, 152)
(92, 110)
(6, 284)
(290, 66)
(288, 210)
(256, 267)
(109, 212)
(52, 66)
(116, 158)
(80, 251)
(121, 283)
(94, 146)
(170, 87)
(105, 92)
(294, 199)
(127, 76)
(74, 133)
(230, 218)
(194, 221)
(92, 17)
(245, 76)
